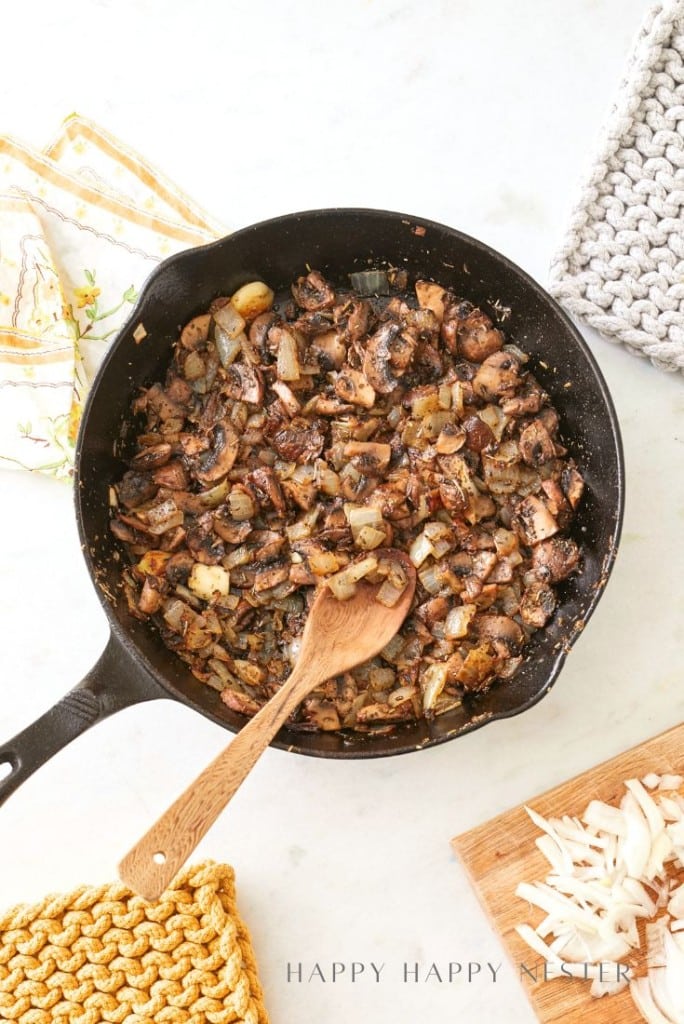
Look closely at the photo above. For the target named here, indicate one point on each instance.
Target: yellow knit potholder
(103, 954)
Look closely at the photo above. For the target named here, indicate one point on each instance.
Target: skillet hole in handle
(7, 766)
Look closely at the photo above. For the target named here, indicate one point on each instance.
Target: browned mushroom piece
(478, 434)
(536, 446)
(196, 332)
(354, 317)
(135, 488)
(537, 605)
(353, 386)
(382, 350)
(432, 296)
(267, 488)
(476, 337)
(312, 324)
(313, 292)
(497, 376)
(330, 348)
(555, 559)
(368, 457)
(215, 463)
(535, 520)
(502, 632)
(301, 441)
(240, 702)
(243, 383)
(572, 484)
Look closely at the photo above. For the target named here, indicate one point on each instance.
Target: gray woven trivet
(621, 266)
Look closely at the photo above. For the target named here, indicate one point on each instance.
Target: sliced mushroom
(258, 331)
(369, 458)
(502, 632)
(536, 446)
(218, 460)
(268, 490)
(196, 332)
(497, 377)
(555, 559)
(301, 441)
(537, 605)
(478, 434)
(135, 488)
(330, 348)
(244, 383)
(431, 296)
(353, 386)
(239, 702)
(573, 485)
(536, 521)
(313, 292)
(173, 475)
(477, 339)
(376, 363)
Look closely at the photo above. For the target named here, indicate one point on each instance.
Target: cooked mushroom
(497, 376)
(555, 559)
(267, 488)
(431, 296)
(330, 348)
(478, 434)
(536, 521)
(313, 292)
(477, 339)
(290, 447)
(196, 332)
(301, 441)
(135, 488)
(502, 632)
(215, 463)
(536, 446)
(352, 386)
(376, 363)
(537, 605)
(244, 383)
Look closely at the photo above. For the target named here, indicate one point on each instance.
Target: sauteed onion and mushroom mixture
(291, 444)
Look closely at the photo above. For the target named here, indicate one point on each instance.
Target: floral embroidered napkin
(82, 224)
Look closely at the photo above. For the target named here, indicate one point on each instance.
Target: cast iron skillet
(135, 665)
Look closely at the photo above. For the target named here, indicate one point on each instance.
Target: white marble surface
(478, 114)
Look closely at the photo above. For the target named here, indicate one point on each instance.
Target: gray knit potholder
(621, 265)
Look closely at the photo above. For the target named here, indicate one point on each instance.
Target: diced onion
(230, 321)
(287, 365)
(458, 620)
(370, 282)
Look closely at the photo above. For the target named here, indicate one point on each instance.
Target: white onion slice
(611, 868)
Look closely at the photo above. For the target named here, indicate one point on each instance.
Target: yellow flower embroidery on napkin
(75, 249)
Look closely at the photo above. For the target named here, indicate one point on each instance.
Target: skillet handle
(115, 682)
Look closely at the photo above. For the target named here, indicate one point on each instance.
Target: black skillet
(135, 665)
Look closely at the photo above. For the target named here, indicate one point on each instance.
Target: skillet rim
(557, 659)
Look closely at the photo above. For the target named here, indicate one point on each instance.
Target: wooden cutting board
(502, 852)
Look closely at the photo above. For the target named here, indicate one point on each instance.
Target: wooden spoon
(338, 635)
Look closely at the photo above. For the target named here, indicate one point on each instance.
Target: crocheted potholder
(621, 266)
(103, 954)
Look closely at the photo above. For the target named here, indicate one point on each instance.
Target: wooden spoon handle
(153, 862)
